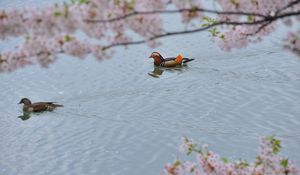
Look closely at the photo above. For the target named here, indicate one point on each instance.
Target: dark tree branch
(266, 21)
(260, 28)
(135, 13)
(287, 6)
(238, 13)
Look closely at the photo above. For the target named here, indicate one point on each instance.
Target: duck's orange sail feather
(179, 58)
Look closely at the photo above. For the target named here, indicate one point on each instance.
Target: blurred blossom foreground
(268, 162)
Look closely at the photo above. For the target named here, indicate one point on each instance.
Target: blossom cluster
(292, 42)
(52, 30)
(44, 50)
(268, 162)
(209, 163)
(241, 36)
(101, 24)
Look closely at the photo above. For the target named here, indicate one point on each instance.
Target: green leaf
(191, 149)
(177, 163)
(276, 144)
(83, 2)
(57, 13)
(222, 37)
(284, 163)
(200, 151)
(214, 31)
(205, 18)
(68, 38)
(224, 159)
(250, 18)
(130, 4)
(73, 2)
(208, 22)
(204, 25)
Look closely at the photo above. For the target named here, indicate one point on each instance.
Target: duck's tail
(185, 60)
(57, 105)
(54, 104)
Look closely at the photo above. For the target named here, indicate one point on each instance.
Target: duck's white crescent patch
(155, 54)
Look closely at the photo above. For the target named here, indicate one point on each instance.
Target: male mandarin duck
(38, 106)
(168, 62)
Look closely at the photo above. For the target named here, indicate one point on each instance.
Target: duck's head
(25, 101)
(157, 58)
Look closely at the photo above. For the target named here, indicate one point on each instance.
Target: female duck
(38, 106)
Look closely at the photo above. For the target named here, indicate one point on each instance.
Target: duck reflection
(158, 71)
(25, 116)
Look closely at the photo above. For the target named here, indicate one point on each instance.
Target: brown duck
(38, 106)
(168, 62)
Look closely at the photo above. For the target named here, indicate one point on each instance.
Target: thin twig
(287, 6)
(260, 28)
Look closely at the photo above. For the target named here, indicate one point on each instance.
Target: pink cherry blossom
(268, 162)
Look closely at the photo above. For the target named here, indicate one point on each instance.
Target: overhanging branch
(264, 22)
(135, 13)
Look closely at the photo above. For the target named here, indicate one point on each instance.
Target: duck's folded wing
(39, 107)
(54, 104)
(173, 58)
(170, 59)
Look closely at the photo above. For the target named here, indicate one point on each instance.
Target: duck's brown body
(168, 62)
(39, 106)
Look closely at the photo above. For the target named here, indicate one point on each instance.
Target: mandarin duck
(38, 106)
(168, 62)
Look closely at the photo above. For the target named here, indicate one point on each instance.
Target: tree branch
(288, 6)
(135, 13)
(260, 28)
(266, 21)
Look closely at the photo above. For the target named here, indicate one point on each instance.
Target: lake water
(120, 120)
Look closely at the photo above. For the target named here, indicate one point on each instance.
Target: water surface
(118, 119)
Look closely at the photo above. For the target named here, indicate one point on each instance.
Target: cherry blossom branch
(135, 13)
(266, 21)
(288, 6)
(195, 9)
(276, 13)
(260, 28)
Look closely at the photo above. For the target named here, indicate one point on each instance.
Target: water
(118, 119)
